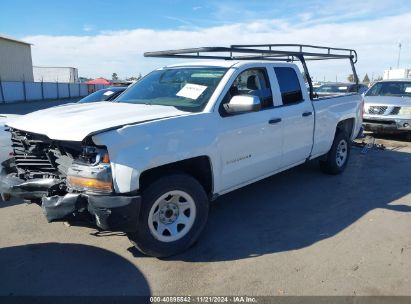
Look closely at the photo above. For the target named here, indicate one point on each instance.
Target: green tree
(114, 76)
(366, 79)
(350, 78)
(84, 79)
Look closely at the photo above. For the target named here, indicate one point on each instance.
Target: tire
(337, 158)
(173, 213)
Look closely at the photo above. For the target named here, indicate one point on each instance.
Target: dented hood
(73, 122)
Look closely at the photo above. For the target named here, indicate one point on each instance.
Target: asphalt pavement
(300, 232)
(31, 106)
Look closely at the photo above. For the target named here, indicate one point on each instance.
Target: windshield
(390, 88)
(187, 89)
(100, 95)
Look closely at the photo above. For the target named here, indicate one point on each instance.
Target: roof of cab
(214, 63)
(222, 63)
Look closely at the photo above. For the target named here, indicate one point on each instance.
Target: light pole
(399, 54)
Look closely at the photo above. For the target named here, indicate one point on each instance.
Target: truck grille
(395, 111)
(377, 110)
(31, 152)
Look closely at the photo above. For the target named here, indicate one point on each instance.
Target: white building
(55, 74)
(15, 60)
(397, 73)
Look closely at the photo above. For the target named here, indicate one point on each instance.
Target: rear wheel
(174, 211)
(336, 159)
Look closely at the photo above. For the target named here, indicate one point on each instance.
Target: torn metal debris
(368, 143)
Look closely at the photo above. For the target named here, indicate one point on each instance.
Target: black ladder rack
(259, 51)
(270, 52)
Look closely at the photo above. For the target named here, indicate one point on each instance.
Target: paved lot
(27, 107)
(297, 233)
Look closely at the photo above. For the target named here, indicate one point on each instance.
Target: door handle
(305, 114)
(274, 121)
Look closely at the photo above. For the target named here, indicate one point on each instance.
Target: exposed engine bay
(47, 167)
(64, 177)
(42, 163)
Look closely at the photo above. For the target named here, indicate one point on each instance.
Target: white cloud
(305, 16)
(185, 23)
(376, 42)
(88, 27)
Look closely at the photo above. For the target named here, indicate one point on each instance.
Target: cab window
(251, 82)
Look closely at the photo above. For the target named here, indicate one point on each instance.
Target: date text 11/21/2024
(203, 299)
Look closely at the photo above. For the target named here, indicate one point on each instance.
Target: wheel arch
(199, 167)
(346, 125)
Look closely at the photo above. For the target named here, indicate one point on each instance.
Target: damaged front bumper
(109, 212)
(28, 189)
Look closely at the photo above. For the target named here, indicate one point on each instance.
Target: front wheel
(174, 211)
(336, 159)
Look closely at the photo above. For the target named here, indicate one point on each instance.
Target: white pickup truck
(150, 162)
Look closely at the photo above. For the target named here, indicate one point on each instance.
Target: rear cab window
(289, 84)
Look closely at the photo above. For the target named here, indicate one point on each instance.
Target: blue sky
(22, 18)
(101, 37)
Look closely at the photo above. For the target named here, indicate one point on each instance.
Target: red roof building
(99, 80)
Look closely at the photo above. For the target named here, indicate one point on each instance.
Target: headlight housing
(91, 171)
(405, 111)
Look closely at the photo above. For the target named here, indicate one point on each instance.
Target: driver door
(250, 143)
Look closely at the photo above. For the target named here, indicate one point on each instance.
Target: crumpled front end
(67, 178)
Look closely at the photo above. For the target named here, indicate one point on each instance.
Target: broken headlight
(91, 171)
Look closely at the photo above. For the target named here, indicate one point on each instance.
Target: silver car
(338, 88)
(387, 107)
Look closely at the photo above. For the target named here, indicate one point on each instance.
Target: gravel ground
(297, 233)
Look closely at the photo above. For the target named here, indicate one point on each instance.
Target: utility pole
(399, 54)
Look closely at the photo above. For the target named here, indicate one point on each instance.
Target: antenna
(399, 54)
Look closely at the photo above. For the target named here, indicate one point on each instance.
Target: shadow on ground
(300, 207)
(11, 202)
(404, 137)
(68, 269)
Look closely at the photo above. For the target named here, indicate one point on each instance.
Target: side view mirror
(243, 103)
